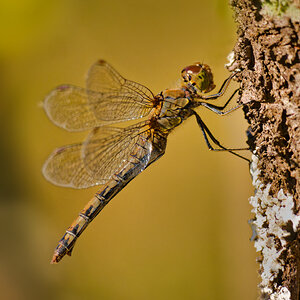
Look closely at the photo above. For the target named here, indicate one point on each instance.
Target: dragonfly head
(198, 77)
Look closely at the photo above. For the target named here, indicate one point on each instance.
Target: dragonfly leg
(219, 109)
(206, 133)
(220, 112)
(222, 89)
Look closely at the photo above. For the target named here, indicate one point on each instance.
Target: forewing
(109, 98)
(68, 107)
(121, 99)
(65, 167)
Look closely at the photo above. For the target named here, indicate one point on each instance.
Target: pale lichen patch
(272, 215)
(230, 59)
(282, 294)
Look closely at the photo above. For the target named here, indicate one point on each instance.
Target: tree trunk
(268, 54)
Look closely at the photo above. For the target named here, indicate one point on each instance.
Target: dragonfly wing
(109, 98)
(65, 167)
(121, 99)
(68, 107)
(107, 150)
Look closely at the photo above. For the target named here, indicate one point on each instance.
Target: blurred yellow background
(177, 231)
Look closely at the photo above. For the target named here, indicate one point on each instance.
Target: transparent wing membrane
(109, 98)
(68, 107)
(106, 151)
(65, 167)
(121, 99)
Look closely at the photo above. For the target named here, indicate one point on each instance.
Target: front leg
(216, 108)
(219, 109)
(222, 90)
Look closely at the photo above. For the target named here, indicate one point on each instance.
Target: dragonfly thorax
(174, 103)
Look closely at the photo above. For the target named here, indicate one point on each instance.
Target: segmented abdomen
(137, 161)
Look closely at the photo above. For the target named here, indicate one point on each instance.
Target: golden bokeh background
(177, 231)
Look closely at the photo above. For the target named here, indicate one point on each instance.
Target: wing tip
(49, 173)
(101, 62)
(48, 102)
(59, 88)
(51, 105)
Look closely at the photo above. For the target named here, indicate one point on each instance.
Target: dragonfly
(112, 156)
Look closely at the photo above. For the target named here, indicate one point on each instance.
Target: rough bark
(268, 54)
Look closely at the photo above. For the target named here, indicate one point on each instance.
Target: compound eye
(189, 73)
(198, 76)
(193, 69)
